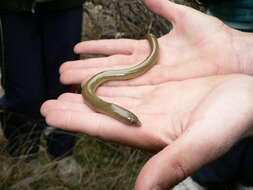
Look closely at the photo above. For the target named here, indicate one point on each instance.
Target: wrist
(243, 46)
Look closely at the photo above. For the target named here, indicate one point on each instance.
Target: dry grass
(105, 166)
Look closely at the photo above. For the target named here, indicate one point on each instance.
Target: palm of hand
(172, 107)
(202, 117)
(192, 49)
(199, 118)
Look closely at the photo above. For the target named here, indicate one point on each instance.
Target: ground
(104, 166)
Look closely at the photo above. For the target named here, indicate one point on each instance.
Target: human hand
(198, 45)
(190, 122)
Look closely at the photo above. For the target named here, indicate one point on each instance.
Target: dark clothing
(236, 166)
(34, 47)
(33, 6)
(235, 13)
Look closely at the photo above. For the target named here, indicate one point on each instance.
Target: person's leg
(245, 174)
(223, 171)
(61, 31)
(220, 174)
(23, 82)
(233, 168)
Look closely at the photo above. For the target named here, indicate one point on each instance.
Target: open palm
(198, 45)
(190, 122)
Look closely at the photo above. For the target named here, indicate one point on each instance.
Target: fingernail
(157, 187)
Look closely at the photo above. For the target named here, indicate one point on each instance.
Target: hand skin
(198, 45)
(190, 122)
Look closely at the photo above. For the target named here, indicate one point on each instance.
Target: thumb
(177, 14)
(211, 132)
(166, 9)
(180, 159)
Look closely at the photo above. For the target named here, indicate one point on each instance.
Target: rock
(123, 18)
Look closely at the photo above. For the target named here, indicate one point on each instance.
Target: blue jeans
(33, 48)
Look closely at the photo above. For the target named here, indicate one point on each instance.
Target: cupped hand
(198, 45)
(189, 122)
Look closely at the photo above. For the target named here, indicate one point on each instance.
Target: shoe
(22, 133)
(48, 130)
(189, 184)
(241, 187)
(69, 171)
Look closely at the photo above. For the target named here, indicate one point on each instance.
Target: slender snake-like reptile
(110, 109)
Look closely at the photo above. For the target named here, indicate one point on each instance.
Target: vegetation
(105, 166)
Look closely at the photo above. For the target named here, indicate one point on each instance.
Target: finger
(134, 92)
(209, 135)
(166, 9)
(73, 106)
(64, 105)
(180, 16)
(102, 126)
(88, 123)
(94, 124)
(75, 102)
(110, 92)
(164, 73)
(76, 76)
(157, 74)
(173, 12)
(71, 97)
(126, 102)
(154, 76)
(178, 161)
(106, 47)
(103, 63)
